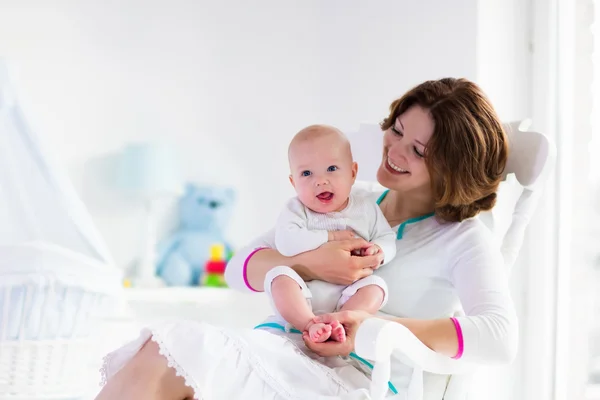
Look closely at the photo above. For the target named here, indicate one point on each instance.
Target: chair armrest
(377, 338)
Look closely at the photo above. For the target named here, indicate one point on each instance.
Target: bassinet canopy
(37, 201)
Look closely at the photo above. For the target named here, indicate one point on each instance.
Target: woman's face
(404, 144)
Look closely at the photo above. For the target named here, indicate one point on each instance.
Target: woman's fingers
(362, 273)
(367, 261)
(354, 244)
(350, 321)
(340, 262)
(329, 348)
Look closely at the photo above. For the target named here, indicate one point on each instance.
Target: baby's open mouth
(325, 196)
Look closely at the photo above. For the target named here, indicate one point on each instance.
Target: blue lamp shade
(149, 168)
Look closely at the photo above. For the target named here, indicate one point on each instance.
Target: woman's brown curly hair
(467, 152)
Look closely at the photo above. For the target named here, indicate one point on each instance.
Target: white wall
(504, 49)
(230, 82)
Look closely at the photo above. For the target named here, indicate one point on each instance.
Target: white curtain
(37, 201)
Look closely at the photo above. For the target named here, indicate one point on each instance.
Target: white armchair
(531, 158)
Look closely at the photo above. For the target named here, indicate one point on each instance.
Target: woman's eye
(396, 131)
(305, 173)
(332, 168)
(418, 153)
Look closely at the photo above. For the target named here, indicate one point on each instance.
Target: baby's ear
(292, 181)
(354, 170)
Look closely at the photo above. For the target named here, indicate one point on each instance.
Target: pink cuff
(244, 270)
(461, 343)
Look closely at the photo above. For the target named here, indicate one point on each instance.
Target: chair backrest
(531, 158)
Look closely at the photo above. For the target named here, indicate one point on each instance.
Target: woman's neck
(399, 207)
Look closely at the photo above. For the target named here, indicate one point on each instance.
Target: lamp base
(146, 270)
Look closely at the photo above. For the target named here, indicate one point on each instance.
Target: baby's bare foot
(319, 332)
(338, 333)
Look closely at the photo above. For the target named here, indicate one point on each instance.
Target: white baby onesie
(300, 229)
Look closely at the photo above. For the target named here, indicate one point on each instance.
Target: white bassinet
(51, 302)
(57, 280)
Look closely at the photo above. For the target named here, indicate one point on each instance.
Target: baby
(326, 208)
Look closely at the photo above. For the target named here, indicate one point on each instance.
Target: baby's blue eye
(305, 173)
(332, 168)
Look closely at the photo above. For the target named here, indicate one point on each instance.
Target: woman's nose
(398, 150)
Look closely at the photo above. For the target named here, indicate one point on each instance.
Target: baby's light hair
(318, 131)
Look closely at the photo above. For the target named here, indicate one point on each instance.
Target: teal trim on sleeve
(275, 326)
(368, 364)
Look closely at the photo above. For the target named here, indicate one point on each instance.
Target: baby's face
(322, 172)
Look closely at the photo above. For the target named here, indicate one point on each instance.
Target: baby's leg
(367, 294)
(290, 296)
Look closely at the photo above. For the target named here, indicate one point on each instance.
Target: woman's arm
(490, 326)
(259, 251)
(332, 262)
(440, 335)
(488, 332)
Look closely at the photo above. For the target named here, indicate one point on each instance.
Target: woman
(444, 151)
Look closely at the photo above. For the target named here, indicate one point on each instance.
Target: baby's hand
(341, 235)
(371, 250)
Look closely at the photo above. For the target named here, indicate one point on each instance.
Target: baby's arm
(291, 233)
(383, 236)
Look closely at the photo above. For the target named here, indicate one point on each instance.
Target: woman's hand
(371, 250)
(341, 235)
(351, 320)
(334, 262)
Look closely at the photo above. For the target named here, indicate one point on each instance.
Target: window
(595, 117)
(593, 387)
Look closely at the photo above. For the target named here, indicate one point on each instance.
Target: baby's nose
(322, 181)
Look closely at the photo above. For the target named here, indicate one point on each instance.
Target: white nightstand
(220, 306)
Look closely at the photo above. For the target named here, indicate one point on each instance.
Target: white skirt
(219, 363)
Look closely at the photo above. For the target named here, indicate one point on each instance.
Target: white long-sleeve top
(300, 229)
(440, 270)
